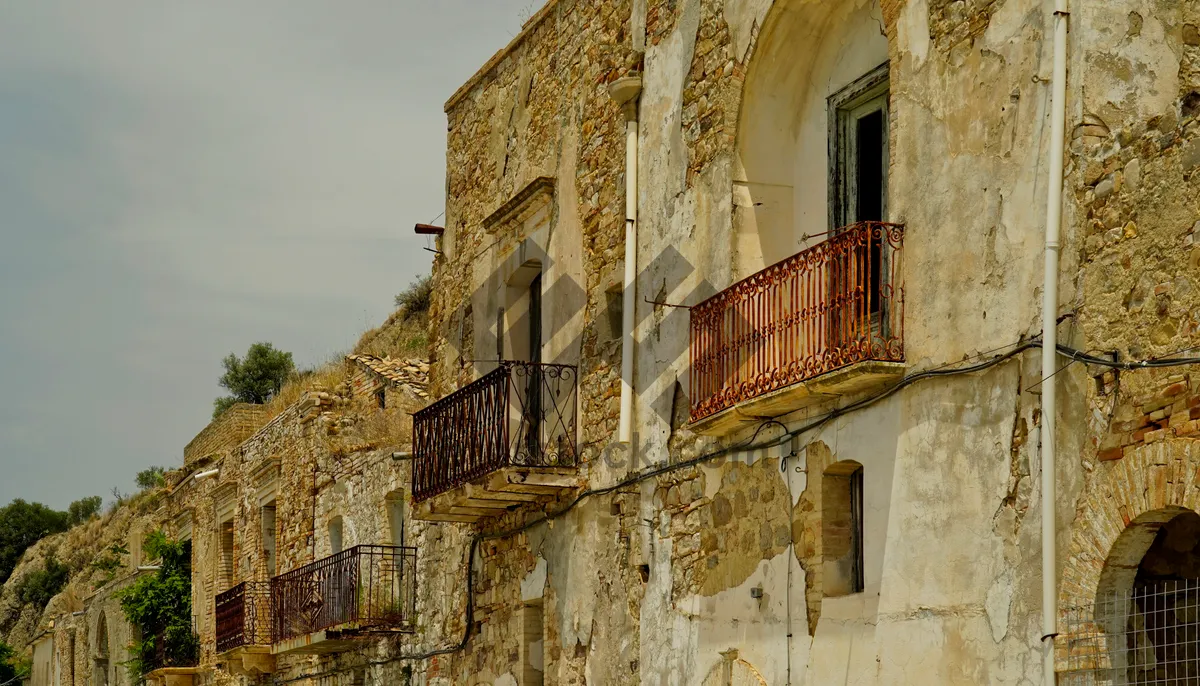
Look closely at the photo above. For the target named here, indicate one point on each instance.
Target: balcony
(326, 606)
(244, 627)
(175, 663)
(827, 321)
(504, 440)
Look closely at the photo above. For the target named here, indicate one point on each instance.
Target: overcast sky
(179, 180)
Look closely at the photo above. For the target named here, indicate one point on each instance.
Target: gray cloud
(180, 180)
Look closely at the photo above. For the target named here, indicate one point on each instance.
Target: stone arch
(101, 660)
(395, 517)
(733, 670)
(1118, 518)
(338, 533)
(805, 52)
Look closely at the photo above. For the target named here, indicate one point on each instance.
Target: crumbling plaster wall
(959, 140)
(967, 130)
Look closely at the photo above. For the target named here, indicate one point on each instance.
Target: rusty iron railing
(829, 306)
(244, 616)
(364, 587)
(521, 414)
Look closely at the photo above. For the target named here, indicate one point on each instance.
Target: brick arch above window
(1125, 505)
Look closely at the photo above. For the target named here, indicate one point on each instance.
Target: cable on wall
(949, 369)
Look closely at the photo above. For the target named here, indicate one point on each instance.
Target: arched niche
(100, 655)
(806, 53)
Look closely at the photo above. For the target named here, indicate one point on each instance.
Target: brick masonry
(233, 426)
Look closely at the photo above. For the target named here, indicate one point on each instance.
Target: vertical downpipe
(625, 92)
(1050, 341)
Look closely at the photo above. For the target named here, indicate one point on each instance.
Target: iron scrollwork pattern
(834, 304)
(521, 414)
(244, 616)
(364, 587)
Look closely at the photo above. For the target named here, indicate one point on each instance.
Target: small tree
(151, 477)
(415, 299)
(160, 606)
(21, 525)
(83, 510)
(255, 378)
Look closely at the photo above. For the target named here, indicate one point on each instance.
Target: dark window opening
(268, 537)
(869, 190)
(500, 334)
(858, 168)
(381, 399)
(533, 391)
(842, 529)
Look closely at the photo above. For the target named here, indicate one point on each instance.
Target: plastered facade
(716, 573)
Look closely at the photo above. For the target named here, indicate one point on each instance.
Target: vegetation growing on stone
(415, 299)
(109, 562)
(159, 605)
(255, 378)
(151, 477)
(39, 586)
(406, 331)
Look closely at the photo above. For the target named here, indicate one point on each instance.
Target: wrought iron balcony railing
(364, 587)
(835, 304)
(175, 650)
(522, 414)
(244, 616)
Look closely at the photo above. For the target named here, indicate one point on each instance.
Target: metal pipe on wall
(625, 92)
(1050, 340)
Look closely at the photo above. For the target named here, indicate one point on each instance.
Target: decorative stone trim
(527, 202)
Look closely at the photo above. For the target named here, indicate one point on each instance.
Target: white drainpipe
(1058, 117)
(625, 92)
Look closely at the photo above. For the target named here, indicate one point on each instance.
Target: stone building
(795, 443)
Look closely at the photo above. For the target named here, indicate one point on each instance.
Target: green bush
(151, 477)
(83, 510)
(254, 379)
(160, 605)
(39, 586)
(417, 298)
(12, 666)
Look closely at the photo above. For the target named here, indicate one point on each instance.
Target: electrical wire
(949, 369)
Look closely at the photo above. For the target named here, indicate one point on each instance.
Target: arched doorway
(100, 658)
(1143, 627)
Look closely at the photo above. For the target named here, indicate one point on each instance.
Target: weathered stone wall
(541, 109)
(1135, 153)
(968, 138)
(704, 560)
